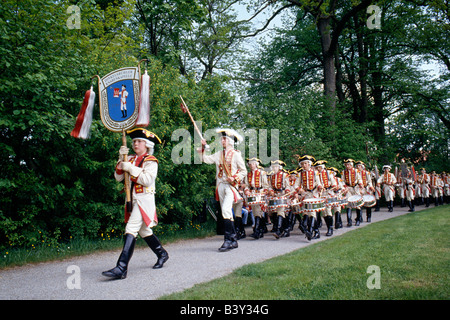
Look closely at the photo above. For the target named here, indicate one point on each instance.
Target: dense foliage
(383, 107)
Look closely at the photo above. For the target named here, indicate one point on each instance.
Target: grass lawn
(412, 253)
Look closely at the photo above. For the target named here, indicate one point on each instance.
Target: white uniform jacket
(143, 172)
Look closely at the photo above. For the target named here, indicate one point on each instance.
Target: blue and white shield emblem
(119, 99)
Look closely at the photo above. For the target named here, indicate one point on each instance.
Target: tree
(214, 42)
(164, 23)
(330, 18)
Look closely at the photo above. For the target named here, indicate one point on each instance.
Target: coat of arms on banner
(119, 99)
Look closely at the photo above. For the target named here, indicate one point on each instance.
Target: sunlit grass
(411, 251)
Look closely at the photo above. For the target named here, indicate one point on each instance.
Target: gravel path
(191, 262)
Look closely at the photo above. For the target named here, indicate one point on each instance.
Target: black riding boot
(240, 231)
(279, 228)
(369, 214)
(316, 230)
(256, 230)
(337, 220)
(120, 271)
(262, 227)
(230, 241)
(157, 248)
(358, 217)
(349, 217)
(309, 228)
(411, 206)
(291, 221)
(303, 224)
(286, 227)
(329, 222)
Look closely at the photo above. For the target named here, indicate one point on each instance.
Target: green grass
(412, 252)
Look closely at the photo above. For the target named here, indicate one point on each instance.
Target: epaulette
(151, 158)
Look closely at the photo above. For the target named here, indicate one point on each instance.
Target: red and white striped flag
(84, 118)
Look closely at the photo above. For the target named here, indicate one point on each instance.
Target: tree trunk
(329, 73)
(363, 69)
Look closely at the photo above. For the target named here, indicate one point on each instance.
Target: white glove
(131, 169)
(126, 166)
(122, 152)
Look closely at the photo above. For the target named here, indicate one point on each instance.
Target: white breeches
(136, 224)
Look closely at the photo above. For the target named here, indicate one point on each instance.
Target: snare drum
(313, 205)
(297, 207)
(355, 201)
(369, 201)
(256, 199)
(342, 201)
(331, 201)
(278, 202)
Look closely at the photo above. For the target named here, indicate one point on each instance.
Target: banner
(119, 99)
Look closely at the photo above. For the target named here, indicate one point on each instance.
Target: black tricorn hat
(144, 134)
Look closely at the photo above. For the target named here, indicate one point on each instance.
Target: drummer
(377, 188)
(294, 184)
(424, 185)
(278, 187)
(387, 180)
(435, 184)
(310, 187)
(329, 188)
(336, 210)
(255, 182)
(409, 181)
(418, 187)
(366, 188)
(352, 178)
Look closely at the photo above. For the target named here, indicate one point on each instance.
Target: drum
(355, 202)
(313, 205)
(278, 202)
(342, 201)
(297, 207)
(331, 201)
(256, 199)
(369, 200)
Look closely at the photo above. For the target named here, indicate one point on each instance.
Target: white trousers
(136, 224)
(237, 208)
(409, 194)
(388, 192)
(425, 191)
(226, 198)
(256, 210)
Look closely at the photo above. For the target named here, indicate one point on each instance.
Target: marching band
(314, 191)
(308, 193)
